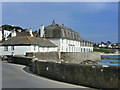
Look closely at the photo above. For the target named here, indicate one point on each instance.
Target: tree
(10, 27)
(108, 42)
(102, 43)
(7, 27)
(17, 28)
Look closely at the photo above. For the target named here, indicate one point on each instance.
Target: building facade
(65, 38)
(5, 34)
(26, 44)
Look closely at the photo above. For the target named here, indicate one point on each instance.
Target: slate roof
(60, 31)
(28, 40)
(35, 34)
(24, 33)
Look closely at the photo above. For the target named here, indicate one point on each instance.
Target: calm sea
(112, 62)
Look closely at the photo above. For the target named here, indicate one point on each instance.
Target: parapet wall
(88, 75)
(20, 60)
(47, 55)
(71, 57)
(78, 57)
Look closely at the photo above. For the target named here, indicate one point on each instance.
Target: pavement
(19, 76)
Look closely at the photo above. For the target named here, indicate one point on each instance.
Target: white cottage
(5, 34)
(23, 44)
(65, 38)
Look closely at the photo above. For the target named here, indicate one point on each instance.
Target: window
(35, 48)
(12, 48)
(62, 48)
(47, 49)
(43, 49)
(5, 48)
(63, 33)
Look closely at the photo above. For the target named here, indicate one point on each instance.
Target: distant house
(20, 45)
(65, 38)
(102, 45)
(5, 34)
(109, 45)
(27, 32)
(116, 46)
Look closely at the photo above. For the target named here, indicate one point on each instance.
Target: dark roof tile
(28, 40)
(24, 33)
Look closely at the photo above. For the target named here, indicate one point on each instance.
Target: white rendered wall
(56, 41)
(48, 49)
(21, 50)
(52, 49)
(66, 45)
(0, 35)
(18, 50)
(6, 33)
(13, 34)
(42, 31)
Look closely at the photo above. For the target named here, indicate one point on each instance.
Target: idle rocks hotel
(53, 38)
(66, 39)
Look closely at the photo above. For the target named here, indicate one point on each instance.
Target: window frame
(5, 48)
(12, 48)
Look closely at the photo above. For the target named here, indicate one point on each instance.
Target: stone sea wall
(78, 57)
(97, 76)
(20, 60)
(47, 55)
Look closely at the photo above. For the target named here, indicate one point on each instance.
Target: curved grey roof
(60, 31)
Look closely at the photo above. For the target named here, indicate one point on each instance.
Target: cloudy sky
(95, 21)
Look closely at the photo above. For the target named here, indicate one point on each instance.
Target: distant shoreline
(110, 54)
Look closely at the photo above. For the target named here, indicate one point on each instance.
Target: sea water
(113, 62)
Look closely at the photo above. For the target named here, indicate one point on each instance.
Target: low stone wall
(88, 75)
(20, 60)
(78, 57)
(45, 55)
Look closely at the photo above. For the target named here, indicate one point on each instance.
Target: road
(15, 76)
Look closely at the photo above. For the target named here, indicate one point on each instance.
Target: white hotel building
(65, 38)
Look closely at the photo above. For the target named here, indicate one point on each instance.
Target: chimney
(42, 32)
(30, 31)
(62, 24)
(53, 22)
(13, 33)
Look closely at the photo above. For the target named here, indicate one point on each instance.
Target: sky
(95, 21)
